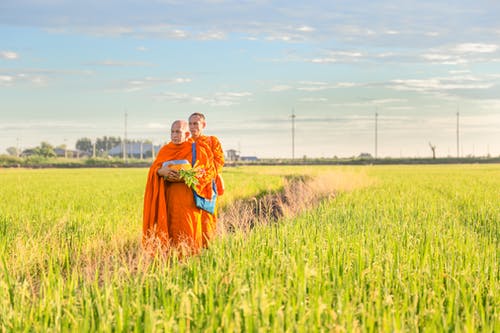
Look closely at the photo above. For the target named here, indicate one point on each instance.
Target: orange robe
(170, 217)
(209, 221)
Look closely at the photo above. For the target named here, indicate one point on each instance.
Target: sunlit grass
(397, 248)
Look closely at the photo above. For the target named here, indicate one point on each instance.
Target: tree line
(84, 146)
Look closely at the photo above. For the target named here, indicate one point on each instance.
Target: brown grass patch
(299, 194)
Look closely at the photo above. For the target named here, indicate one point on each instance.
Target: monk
(197, 123)
(170, 217)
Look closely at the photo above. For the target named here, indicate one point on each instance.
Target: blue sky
(72, 69)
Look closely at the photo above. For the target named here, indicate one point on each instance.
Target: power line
(293, 133)
(458, 134)
(376, 134)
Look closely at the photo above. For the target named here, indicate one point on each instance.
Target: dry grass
(299, 194)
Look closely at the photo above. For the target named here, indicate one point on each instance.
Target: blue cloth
(201, 202)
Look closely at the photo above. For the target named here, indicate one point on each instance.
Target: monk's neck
(198, 137)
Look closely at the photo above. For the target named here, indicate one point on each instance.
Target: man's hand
(169, 174)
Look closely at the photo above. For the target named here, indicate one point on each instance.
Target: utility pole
(376, 134)
(293, 134)
(458, 134)
(17, 148)
(125, 141)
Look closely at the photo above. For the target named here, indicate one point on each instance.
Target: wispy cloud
(313, 99)
(6, 80)
(36, 77)
(337, 57)
(118, 63)
(463, 53)
(22, 78)
(9, 55)
(156, 126)
(475, 48)
(440, 84)
(37, 125)
(280, 87)
(141, 84)
(217, 99)
(212, 35)
(312, 86)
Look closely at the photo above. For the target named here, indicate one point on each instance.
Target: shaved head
(179, 132)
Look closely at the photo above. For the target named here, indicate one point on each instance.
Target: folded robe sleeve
(205, 161)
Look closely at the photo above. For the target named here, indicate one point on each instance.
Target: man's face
(178, 134)
(196, 126)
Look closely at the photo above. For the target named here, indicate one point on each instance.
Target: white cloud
(147, 82)
(306, 28)
(212, 35)
(392, 32)
(313, 99)
(313, 88)
(6, 80)
(400, 108)
(445, 59)
(432, 34)
(464, 53)
(117, 63)
(475, 48)
(338, 56)
(389, 100)
(218, 99)
(282, 37)
(9, 55)
(459, 71)
(314, 83)
(57, 125)
(177, 34)
(346, 85)
(181, 80)
(436, 85)
(10, 80)
(156, 126)
(233, 94)
(281, 87)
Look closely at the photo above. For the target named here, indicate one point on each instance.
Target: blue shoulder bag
(200, 202)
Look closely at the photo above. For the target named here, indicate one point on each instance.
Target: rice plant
(397, 248)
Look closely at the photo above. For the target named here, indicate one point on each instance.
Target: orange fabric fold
(209, 221)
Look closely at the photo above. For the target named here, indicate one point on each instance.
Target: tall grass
(416, 250)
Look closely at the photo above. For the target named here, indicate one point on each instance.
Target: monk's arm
(218, 154)
(169, 174)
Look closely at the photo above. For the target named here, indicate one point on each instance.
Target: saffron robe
(209, 221)
(170, 217)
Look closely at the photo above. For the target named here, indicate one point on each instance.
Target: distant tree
(104, 144)
(84, 144)
(45, 149)
(12, 151)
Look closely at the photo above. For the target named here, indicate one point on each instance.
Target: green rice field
(397, 248)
